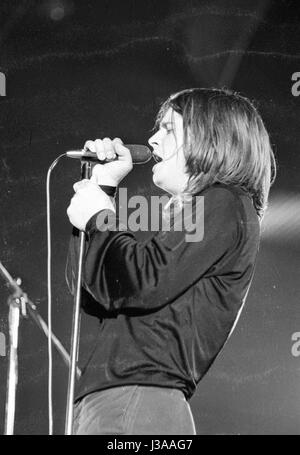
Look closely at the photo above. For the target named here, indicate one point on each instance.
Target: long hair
(225, 141)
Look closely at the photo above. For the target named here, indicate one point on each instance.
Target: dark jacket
(166, 306)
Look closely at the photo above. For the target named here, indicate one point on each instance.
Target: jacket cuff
(104, 220)
(109, 190)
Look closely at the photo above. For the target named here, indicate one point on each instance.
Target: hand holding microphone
(89, 198)
(112, 172)
(105, 150)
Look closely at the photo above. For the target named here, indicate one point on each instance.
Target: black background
(78, 70)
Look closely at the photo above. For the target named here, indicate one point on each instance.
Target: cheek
(175, 170)
(169, 145)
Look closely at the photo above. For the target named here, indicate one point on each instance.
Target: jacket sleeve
(121, 273)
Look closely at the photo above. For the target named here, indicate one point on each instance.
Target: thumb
(122, 152)
(93, 179)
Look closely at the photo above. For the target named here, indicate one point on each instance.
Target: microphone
(141, 154)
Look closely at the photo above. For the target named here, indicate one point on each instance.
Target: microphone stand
(20, 304)
(14, 301)
(86, 168)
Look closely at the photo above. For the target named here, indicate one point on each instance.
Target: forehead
(172, 116)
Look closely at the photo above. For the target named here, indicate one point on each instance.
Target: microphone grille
(141, 154)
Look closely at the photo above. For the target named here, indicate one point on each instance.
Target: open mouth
(156, 158)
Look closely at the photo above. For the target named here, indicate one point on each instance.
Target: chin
(161, 183)
(161, 186)
(155, 180)
(158, 182)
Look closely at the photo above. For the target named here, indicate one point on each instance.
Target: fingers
(79, 185)
(104, 148)
(122, 151)
(82, 184)
(90, 145)
(117, 140)
(108, 149)
(100, 149)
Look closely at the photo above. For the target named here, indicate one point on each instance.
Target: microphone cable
(71, 154)
(49, 290)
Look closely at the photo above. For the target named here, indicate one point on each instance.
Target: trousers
(134, 410)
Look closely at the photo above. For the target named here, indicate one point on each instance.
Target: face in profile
(167, 143)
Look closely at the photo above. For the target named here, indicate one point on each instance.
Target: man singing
(166, 306)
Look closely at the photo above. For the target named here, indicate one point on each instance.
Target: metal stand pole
(85, 174)
(12, 376)
(20, 305)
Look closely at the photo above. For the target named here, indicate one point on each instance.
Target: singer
(167, 306)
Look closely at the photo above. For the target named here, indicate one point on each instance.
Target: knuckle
(121, 146)
(89, 145)
(117, 140)
(99, 148)
(108, 145)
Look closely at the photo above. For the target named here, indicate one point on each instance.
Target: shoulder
(230, 208)
(212, 215)
(220, 194)
(233, 207)
(229, 199)
(221, 202)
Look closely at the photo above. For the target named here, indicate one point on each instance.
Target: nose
(153, 141)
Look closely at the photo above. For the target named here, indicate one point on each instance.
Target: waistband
(116, 390)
